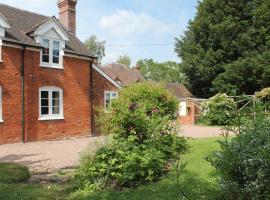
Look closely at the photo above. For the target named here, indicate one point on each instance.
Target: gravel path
(50, 156)
(200, 131)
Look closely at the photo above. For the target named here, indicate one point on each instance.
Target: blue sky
(125, 22)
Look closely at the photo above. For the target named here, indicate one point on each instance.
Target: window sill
(51, 66)
(1, 121)
(50, 118)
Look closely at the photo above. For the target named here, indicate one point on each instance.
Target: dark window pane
(45, 110)
(44, 94)
(55, 60)
(46, 50)
(55, 102)
(56, 110)
(56, 52)
(55, 95)
(44, 103)
(45, 58)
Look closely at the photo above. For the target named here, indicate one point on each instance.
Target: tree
(95, 46)
(125, 60)
(227, 47)
(167, 71)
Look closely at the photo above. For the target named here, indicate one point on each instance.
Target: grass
(13, 173)
(197, 181)
(23, 191)
(13, 185)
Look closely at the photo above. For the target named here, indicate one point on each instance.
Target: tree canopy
(125, 60)
(96, 46)
(227, 47)
(167, 71)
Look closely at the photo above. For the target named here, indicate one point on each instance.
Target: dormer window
(4, 24)
(51, 53)
(52, 38)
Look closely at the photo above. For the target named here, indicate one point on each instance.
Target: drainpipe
(23, 94)
(91, 100)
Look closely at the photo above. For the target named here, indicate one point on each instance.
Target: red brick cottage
(48, 85)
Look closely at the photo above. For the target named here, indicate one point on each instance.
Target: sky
(137, 28)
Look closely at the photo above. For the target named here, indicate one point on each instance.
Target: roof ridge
(23, 10)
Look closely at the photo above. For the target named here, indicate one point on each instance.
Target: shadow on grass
(193, 186)
(23, 159)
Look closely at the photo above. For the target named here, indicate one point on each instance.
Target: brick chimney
(67, 14)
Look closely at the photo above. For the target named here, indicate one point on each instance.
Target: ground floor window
(1, 112)
(50, 103)
(109, 96)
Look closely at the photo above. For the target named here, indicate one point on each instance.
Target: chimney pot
(67, 14)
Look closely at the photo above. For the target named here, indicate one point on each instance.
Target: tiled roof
(22, 22)
(123, 74)
(179, 90)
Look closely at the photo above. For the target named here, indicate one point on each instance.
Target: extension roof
(123, 74)
(179, 90)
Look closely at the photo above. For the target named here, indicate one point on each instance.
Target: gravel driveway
(200, 131)
(50, 156)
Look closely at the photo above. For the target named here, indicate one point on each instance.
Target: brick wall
(100, 85)
(75, 82)
(10, 81)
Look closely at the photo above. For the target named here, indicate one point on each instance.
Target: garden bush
(219, 109)
(243, 164)
(144, 143)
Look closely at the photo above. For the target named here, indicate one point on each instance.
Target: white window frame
(1, 44)
(50, 116)
(1, 105)
(50, 64)
(110, 93)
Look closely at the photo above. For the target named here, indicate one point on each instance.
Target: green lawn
(197, 181)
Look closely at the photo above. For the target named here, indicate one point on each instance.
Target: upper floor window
(1, 114)
(51, 53)
(50, 103)
(109, 96)
(1, 43)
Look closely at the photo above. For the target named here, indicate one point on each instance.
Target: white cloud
(126, 22)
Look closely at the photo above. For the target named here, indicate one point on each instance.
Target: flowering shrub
(145, 140)
(220, 109)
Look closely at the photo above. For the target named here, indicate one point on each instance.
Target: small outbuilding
(187, 107)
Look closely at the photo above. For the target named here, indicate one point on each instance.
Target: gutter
(24, 139)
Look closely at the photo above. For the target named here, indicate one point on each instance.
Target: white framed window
(1, 103)
(51, 53)
(108, 97)
(50, 103)
(1, 43)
